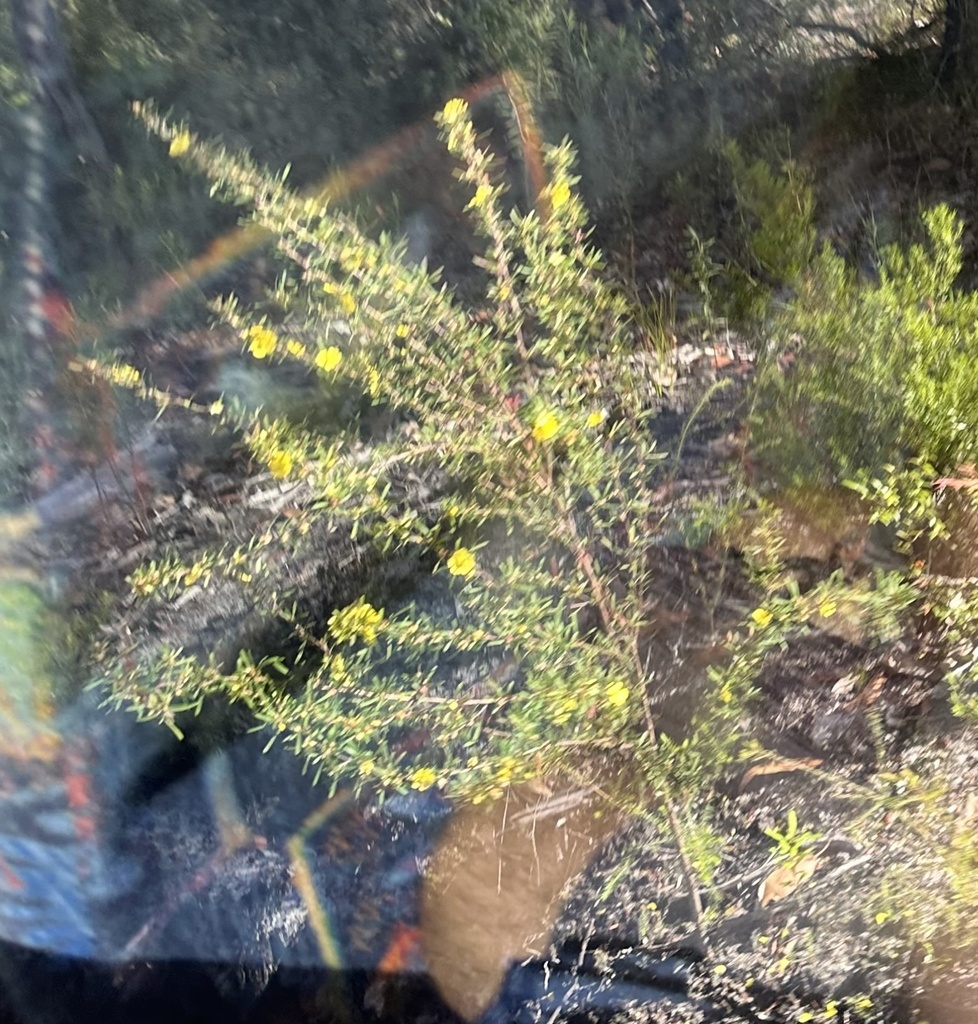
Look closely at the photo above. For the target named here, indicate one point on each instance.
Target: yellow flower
(402, 331)
(455, 110)
(545, 427)
(367, 767)
(179, 144)
(461, 562)
(560, 195)
(595, 419)
(617, 694)
(337, 668)
(359, 619)
(762, 617)
(348, 303)
(327, 359)
(827, 608)
(280, 464)
(216, 407)
(482, 196)
(295, 348)
(262, 341)
(424, 778)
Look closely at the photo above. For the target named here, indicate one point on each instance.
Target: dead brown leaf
(784, 880)
(870, 693)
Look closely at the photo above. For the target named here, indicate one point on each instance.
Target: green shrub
(537, 413)
(885, 368)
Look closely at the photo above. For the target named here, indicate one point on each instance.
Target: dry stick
(586, 564)
(689, 873)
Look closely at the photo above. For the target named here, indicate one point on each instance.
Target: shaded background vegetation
(638, 86)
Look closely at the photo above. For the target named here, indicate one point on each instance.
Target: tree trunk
(959, 50)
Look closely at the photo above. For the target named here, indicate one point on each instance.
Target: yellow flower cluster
(358, 620)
